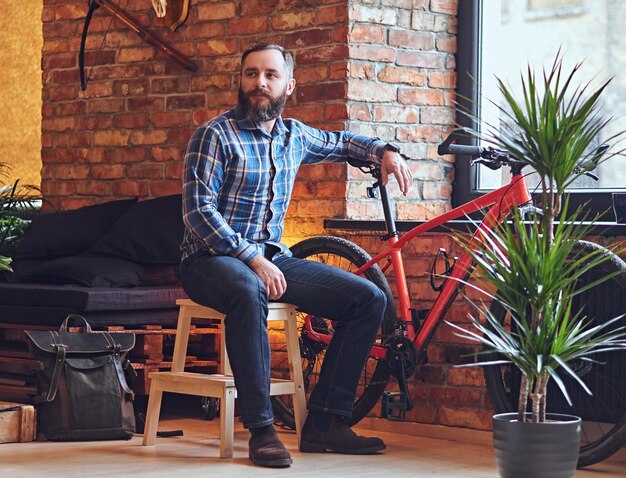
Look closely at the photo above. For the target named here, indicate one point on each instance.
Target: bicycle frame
(499, 203)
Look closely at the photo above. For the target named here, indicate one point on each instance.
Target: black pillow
(151, 232)
(67, 233)
(22, 268)
(102, 272)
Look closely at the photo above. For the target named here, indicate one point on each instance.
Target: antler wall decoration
(134, 25)
(160, 7)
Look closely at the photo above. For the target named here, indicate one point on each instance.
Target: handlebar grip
(473, 151)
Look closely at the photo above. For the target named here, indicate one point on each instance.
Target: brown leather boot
(267, 450)
(339, 438)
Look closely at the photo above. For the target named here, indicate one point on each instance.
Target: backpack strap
(58, 368)
(66, 323)
(117, 362)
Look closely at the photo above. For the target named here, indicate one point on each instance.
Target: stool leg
(152, 413)
(227, 422)
(182, 340)
(295, 370)
(224, 362)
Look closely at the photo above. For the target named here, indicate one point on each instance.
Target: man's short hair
(271, 46)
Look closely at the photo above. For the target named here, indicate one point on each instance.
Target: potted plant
(536, 266)
(16, 203)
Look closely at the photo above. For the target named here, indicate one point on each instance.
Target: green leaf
(5, 263)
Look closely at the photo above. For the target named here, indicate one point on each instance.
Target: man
(238, 177)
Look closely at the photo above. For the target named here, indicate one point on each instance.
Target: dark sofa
(116, 263)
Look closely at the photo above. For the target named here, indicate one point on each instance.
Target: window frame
(468, 62)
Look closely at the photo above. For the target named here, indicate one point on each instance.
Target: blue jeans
(231, 287)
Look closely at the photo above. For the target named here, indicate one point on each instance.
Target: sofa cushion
(150, 232)
(102, 272)
(71, 232)
(54, 316)
(84, 299)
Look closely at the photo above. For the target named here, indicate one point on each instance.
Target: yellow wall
(21, 40)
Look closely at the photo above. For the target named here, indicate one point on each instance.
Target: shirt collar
(245, 123)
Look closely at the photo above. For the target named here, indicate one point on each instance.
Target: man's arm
(203, 176)
(325, 146)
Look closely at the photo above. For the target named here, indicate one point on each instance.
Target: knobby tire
(348, 256)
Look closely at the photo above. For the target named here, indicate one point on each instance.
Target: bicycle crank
(310, 348)
(402, 356)
(403, 360)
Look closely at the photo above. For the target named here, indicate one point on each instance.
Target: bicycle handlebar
(489, 157)
(495, 158)
(474, 151)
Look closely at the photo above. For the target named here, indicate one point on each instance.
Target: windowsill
(601, 228)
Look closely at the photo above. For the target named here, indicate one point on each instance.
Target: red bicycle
(402, 342)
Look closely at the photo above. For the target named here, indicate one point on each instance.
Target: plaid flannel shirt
(238, 179)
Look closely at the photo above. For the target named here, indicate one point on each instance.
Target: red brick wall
(401, 88)
(377, 67)
(380, 68)
(125, 135)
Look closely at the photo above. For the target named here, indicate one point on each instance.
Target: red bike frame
(499, 203)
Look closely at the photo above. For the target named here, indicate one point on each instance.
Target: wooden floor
(196, 455)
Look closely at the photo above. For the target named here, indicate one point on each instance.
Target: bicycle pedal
(394, 405)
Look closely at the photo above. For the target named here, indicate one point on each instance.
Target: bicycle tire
(603, 413)
(210, 406)
(347, 255)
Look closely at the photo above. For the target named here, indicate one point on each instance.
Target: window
(550, 7)
(500, 38)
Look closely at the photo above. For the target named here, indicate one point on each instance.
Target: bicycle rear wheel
(604, 412)
(348, 256)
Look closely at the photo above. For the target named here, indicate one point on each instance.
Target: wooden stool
(222, 385)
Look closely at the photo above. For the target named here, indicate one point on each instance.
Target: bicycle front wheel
(604, 412)
(345, 255)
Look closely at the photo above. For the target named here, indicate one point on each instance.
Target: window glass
(516, 33)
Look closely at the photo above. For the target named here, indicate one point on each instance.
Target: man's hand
(393, 163)
(271, 276)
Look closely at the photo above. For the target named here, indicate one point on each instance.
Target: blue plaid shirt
(238, 179)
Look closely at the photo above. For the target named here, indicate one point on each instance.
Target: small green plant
(536, 266)
(16, 201)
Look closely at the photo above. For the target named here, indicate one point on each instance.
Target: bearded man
(239, 171)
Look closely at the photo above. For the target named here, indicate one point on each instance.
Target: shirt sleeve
(203, 176)
(339, 146)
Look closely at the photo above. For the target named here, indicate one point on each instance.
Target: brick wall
(378, 67)
(382, 68)
(401, 88)
(124, 136)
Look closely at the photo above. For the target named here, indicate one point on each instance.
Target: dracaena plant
(552, 128)
(15, 201)
(536, 266)
(536, 281)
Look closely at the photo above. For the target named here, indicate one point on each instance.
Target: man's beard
(260, 112)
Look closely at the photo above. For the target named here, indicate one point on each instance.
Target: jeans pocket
(189, 260)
